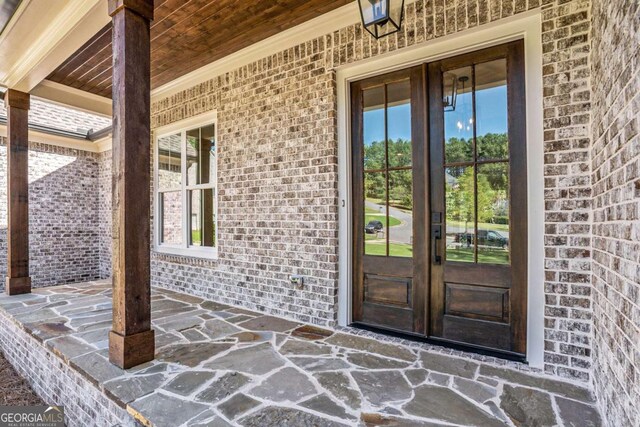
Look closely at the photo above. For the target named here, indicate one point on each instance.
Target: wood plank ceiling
(187, 34)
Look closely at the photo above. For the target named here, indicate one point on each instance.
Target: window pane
(171, 217)
(399, 123)
(401, 213)
(375, 214)
(201, 155)
(169, 162)
(493, 213)
(373, 128)
(202, 218)
(491, 110)
(458, 115)
(460, 217)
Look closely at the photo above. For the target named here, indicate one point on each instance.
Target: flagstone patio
(218, 365)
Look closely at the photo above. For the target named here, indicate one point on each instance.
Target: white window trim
(184, 249)
(526, 26)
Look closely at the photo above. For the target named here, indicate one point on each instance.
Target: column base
(18, 285)
(131, 350)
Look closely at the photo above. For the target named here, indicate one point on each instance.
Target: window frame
(185, 248)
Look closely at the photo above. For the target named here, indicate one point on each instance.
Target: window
(186, 196)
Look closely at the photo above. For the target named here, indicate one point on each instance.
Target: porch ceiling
(187, 35)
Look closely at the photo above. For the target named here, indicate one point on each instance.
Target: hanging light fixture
(381, 17)
(450, 89)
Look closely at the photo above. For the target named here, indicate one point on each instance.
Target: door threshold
(468, 348)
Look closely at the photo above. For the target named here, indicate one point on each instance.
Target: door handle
(436, 236)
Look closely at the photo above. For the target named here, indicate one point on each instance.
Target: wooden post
(131, 342)
(18, 280)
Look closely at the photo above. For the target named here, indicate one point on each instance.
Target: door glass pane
(201, 155)
(493, 213)
(202, 218)
(491, 110)
(169, 162)
(375, 214)
(460, 213)
(399, 123)
(171, 214)
(373, 128)
(401, 213)
(458, 116)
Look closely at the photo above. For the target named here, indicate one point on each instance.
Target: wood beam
(18, 280)
(131, 341)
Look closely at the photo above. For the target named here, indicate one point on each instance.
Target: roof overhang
(42, 35)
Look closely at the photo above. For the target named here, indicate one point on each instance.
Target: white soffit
(43, 34)
(67, 95)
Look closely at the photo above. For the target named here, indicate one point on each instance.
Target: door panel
(441, 253)
(388, 161)
(478, 170)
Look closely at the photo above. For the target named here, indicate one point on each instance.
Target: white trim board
(525, 26)
(62, 141)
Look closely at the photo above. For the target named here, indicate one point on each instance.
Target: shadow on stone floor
(218, 365)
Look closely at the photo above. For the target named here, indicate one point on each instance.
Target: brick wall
(57, 383)
(104, 186)
(616, 208)
(278, 170)
(566, 51)
(63, 222)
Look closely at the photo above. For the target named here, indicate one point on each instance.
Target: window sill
(193, 252)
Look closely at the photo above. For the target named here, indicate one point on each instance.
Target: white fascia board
(60, 141)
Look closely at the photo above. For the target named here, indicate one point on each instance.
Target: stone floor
(218, 365)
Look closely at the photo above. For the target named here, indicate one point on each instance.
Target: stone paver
(258, 359)
(288, 384)
(278, 416)
(223, 387)
(129, 389)
(449, 365)
(324, 404)
(237, 405)
(528, 407)
(165, 410)
(269, 323)
(380, 388)
(576, 414)
(218, 365)
(188, 382)
(443, 404)
(192, 354)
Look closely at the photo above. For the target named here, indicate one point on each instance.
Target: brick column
(18, 280)
(131, 341)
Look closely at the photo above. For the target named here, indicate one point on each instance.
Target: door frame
(526, 26)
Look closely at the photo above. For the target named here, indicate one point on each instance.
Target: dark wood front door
(440, 251)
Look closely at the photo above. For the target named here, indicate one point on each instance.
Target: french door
(439, 197)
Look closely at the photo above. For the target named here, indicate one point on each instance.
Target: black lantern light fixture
(381, 17)
(450, 91)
